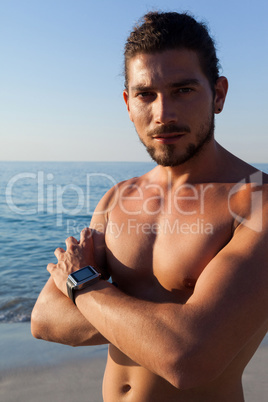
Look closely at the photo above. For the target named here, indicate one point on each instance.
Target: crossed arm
(187, 344)
(55, 318)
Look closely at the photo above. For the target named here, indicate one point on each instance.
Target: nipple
(189, 283)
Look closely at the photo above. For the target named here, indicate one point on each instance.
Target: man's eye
(145, 94)
(184, 90)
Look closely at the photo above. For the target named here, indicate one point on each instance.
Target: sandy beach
(36, 371)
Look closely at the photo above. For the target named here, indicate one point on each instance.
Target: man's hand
(77, 255)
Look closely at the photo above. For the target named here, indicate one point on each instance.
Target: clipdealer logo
(49, 197)
(255, 220)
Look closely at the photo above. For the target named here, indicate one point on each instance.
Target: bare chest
(154, 255)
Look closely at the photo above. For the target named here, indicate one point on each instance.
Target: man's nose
(164, 110)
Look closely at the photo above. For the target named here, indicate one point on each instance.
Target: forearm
(138, 328)
(56, 319)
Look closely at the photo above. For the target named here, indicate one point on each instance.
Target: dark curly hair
(160, 31)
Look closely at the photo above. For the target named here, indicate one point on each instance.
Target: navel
(126, 388)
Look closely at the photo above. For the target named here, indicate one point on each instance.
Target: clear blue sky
(61, 77)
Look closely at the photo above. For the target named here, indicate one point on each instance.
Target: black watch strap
(70, 290)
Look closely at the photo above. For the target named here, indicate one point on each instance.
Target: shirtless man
(186, 243)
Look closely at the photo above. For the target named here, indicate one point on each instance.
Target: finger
(87, 244)
(59, 252)
(86, 236)
(51, 267)
(70, 242)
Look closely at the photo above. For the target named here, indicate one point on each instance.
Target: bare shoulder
(110, 199)
(247, 189)
(234, 169)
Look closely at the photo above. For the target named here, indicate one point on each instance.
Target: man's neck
(206, 166)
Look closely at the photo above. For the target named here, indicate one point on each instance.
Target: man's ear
(125, 96)
(221, 88)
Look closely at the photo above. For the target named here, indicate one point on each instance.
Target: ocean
(41, 204)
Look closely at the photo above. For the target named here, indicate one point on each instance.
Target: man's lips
(168, 138)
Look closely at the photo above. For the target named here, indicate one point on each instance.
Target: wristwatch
(81, 279)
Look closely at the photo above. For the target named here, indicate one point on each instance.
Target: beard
(167, 155)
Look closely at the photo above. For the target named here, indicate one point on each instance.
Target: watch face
(83, 274)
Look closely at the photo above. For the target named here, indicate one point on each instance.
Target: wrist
(80, 279)
(98, 287)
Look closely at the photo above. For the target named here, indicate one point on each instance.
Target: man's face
(170, 102)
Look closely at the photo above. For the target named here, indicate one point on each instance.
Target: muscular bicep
(230, 301)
